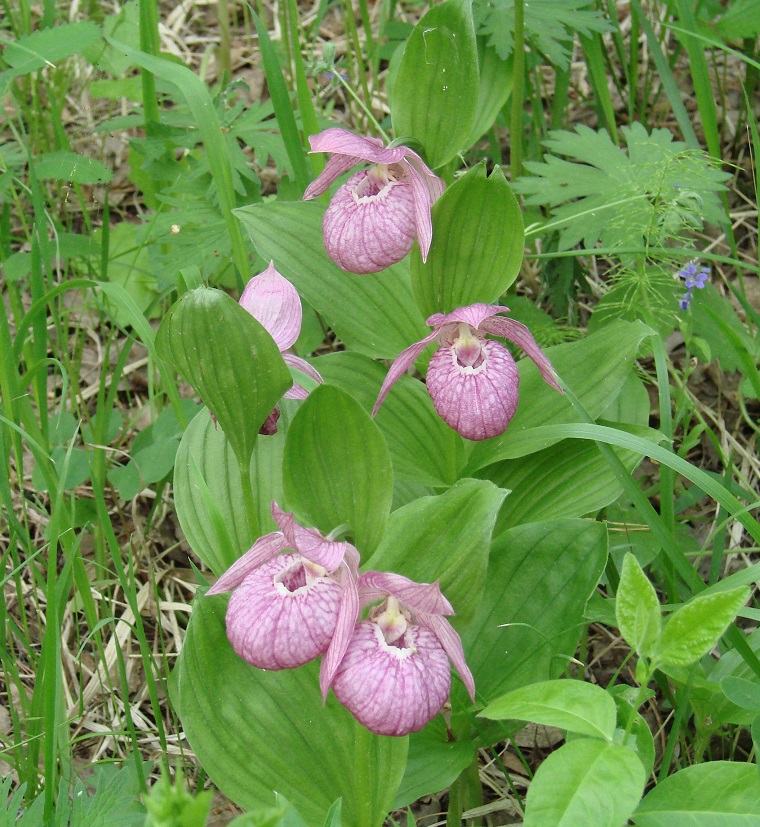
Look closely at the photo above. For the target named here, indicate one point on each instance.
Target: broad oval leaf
(714, 794)
(637, 608)
(438, 73)
(375, 314)
(257, 732)
(495, 87)
(539, 579)
(444, 538)
(336, 467)
(585, 782)
(477, 244)
(230, 360)
(696, 627)
(208, 496)
(572, 705)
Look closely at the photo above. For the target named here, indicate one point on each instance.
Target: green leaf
(336, 467)
(572, 705)
(495, 87)
(157, 460)
(438, 73)
(715, 794)
(230, 360)
(632, 730)
(696, 627)
(71, 166)
(423, 448)
(208, 497)
(742, 692)
(530, 618)
(477, 244)
(595, 368)
(444, 538)
(637, 608)
(585, 782)
(256, 732)
(375, 314)
(49, 45)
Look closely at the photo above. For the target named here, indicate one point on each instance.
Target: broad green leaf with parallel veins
(336, 467)
(696, 627)
(230, 360)
(637, 608)
(477, 244)
(258, 732)
(444, 538)
(572, 705)
(373, 314)
(438, 73)
(585, 782)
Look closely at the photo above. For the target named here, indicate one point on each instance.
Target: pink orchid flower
(288, 608)
(395, 675)
(374, 217)
(473, 381)
(273, 301)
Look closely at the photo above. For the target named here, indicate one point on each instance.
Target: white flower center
(378, 182)
(298, 576)
(467, 349)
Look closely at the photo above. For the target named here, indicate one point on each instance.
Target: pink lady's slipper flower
(288, 608)
(273, 301)
(473, 381)
(395, 675)
(375, 216)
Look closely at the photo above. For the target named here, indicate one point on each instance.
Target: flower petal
(274, 628)
(452, 645)
(473, 315)
(344, 628)
(262, 550)
(334, 168)
(365, 233)
(427, 188)
(308, 542)
(401, 364)
(392, 690)
(422, 597)
(293, 361)
(369, 149)
(477, 402)
(272, 300)
(522, 337)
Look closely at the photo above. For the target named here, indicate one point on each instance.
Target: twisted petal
(427, 187)
(262, 550)
(522, 337)
(473, 315)
(365, 234)
(344, 628)
(419, 597)
(272, 300)
(389, 689)
(477, 402)
(293, 361)
(452, 645)
(400, 366)
(308, 542)
(274, 628)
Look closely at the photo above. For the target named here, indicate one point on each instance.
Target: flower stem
(365, 108)
(518, 90)
(362, 753)
(249, 501)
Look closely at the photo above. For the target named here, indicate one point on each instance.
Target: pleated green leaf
(444, 538)
(230, 360)
(477, 244)
(257, 732)
(375, 314)
(337, 469)
(585, 782)
(423, 448)
(528, 623)
(637, 608)
(438, 73)
(208, 496)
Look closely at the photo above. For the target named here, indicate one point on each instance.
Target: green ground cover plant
(379, 404)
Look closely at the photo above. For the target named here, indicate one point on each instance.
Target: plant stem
(518, 90)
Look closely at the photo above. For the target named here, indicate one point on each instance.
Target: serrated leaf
(714, 794)
(336, 467)
(637, 608)
(477, 244)
(46, 46)
(696, 627)
(550, 25)
(585, 782)
(71, 166)
(438, 73)
(656, 190)
(229, 358)
(572, 705)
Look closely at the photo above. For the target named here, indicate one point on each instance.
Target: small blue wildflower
(684, 302)
(693, 276)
